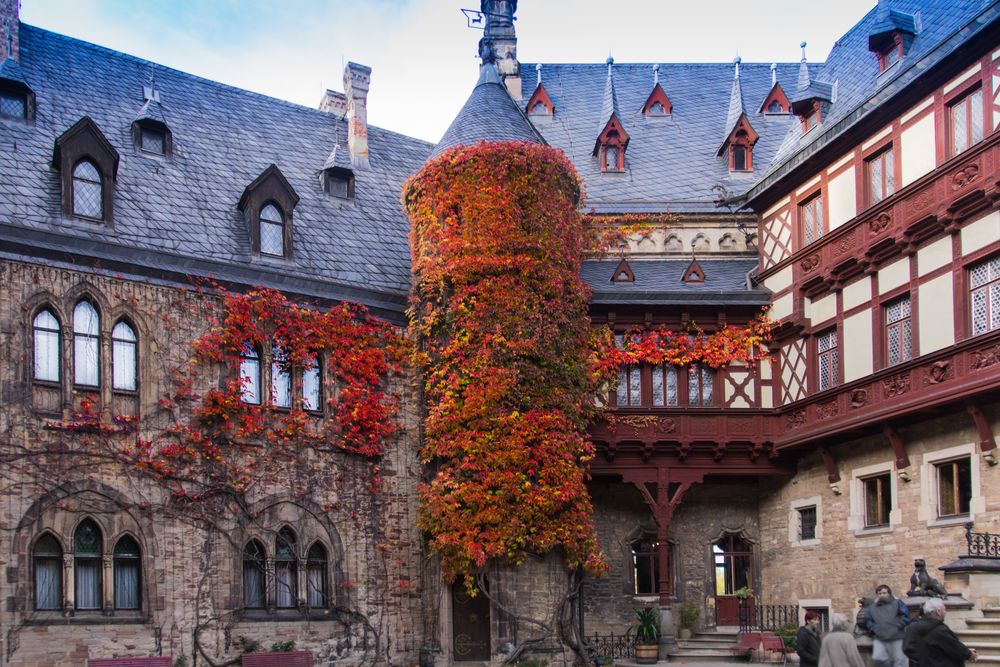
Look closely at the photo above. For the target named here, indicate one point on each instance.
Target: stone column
(69, 593)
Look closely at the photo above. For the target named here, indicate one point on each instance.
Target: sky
(422, 54)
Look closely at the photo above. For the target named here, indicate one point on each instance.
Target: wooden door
(470, 623)
(733, 560)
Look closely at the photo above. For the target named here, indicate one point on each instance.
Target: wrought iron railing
(757, 616)
(613, 646)
(985, 545)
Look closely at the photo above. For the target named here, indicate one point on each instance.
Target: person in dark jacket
(807, 641)
(931, 643)
(887, 618)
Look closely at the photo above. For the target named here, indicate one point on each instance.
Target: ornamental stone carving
(795, 419)
(985, 358)
(809, 263)
(879, 223)
(964, 176)
(827, 410)
(844, 244)
(897, 385)
(922, 200)
(859, 398)
(938, 372)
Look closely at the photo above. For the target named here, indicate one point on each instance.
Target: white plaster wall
(934, 256)
(821, 309)
(780, 280)
(893, 275)
(936, 314)
(857, 347)
(857, 293)
(781, 308)
(842, 198)
(981, 233)
(917, 149)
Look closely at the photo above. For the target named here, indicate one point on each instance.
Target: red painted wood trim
(892, 437)
(987, 441)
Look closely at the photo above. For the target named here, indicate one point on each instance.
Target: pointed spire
(609, 105)
(656, 74)
(735, 100)
(774, 73)
(538, 73)
(803, 82)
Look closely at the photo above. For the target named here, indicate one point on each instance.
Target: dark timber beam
(898, 449)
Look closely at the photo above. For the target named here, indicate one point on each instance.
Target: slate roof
(852, 70)
(489, 114)
(671, 162)
(180, 213)
(659, 281)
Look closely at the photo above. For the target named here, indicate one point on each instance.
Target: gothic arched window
(253, 575)
(48, 561)
(316, 577)
(47, 348)
(127, 573)
(87, 565)
(123, 358)
(86, 345)
(285, 569)
(88, 201)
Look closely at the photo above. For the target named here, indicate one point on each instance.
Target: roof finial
(803, 45)
(774, 73)
(736, 61)
(610, 61)
(656, 74)
(538, 72)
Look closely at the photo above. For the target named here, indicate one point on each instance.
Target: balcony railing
(755, 615)
(982, 545)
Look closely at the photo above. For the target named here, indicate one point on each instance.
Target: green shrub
(787, 634)
(283, 647)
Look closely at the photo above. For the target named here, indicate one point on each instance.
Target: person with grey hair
(839, 647)
(931, 643)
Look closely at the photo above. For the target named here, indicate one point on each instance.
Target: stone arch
(700, 243)
(728, 242)
(673, 243)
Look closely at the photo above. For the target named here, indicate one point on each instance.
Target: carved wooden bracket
(831, 466)
(898, 449)
(987, 441)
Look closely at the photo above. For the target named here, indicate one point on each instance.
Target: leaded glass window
(881, 176)
(984, 279)
(127, 574)
(285, 569)
(253, 575)
(153, 141)
(317, 578)
(48, 563)
(281, 379)
(123, 357)
(272, 231)
(826, 347)
(966, 117)
(664, 385)
(700, 385)
(899, 342)
(312, 385)
(811, 214)
(13, 104)
(250, 374)
(86, 345)
(87, 196)
(87, 565)
(46, 344)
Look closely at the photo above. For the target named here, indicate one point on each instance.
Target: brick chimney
(10, 11)
(334, 102)
(501, 34)
(357, 79)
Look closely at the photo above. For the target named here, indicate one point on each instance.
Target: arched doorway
(732, 557)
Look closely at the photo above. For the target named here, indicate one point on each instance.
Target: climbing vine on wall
(500, 316)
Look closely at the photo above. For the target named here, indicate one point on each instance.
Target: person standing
(807, 641)
(887, 618)
(839, 649)
(931, 643)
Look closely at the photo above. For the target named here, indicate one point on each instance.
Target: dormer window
(339, 182)
(17, 101)
(87, 191)
(740, 157)
(612, 158)
(888, 49)
(272, 231)
(13, 104)
(610, 147)
(87, 164)
(892, 35)
(776, 101)
(152, 140)
(267, 204)
(540, 103)
(657, 104)
(740, 143)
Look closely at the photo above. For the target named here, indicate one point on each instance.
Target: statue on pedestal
(924, 584)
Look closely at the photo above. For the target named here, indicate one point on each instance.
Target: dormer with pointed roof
(612, 139)
(740, 136)
(892, 35)
(149, 128)
(812, 98)
(540, 103)
(776, 101)
(657, 104)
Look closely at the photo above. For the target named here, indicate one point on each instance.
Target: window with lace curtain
(47, 346)
(254, 561)
(87, 565)
(86, 345)
(47, 561)
(127, 569)
(317, 579)
(285, 570)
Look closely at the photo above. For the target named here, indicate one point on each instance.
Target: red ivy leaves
(501, 317)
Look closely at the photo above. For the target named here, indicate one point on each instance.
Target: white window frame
(794, 521)
(929, 485)
(856, 519)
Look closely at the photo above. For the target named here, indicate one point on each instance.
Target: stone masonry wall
(191, 576)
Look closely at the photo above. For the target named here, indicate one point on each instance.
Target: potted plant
(647, 634)
(743, 593)
(688, 619)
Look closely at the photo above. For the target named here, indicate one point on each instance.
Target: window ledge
(960, 520)
(88, 617)
(877, 530)
(815, 542)
(287, 615)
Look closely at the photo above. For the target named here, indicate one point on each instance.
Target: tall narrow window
(312, 386)
(646, 566)
(253, 575)
(250, 374)
(878, 500)
(316, 577)
(46, 334)
(123, 358)
(612, 158)
(629, 391)
(807, 523)
(48, 561)
(739, 158)
(954, 480)
(88, 201)
(86, 345)
(281, 379)
(811, 215)
(966, 121)
(898, 339)
(881, 176)
(826, 348)
(285, 569)
(127, 574)
(984, 280)
(700, 384)
(87, 565)
(664, 385)
(272, 231)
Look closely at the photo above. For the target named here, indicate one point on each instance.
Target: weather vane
(474, 18)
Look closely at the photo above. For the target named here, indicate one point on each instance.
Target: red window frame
(984, 295)
(967, 108)
(898, 330)
(827, 354)
(811, 218)
(880, 175)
